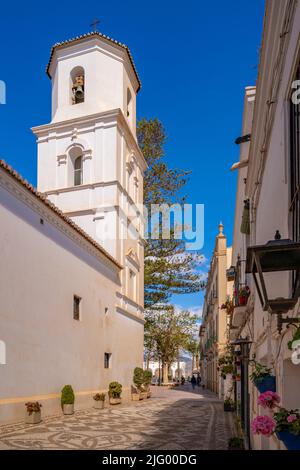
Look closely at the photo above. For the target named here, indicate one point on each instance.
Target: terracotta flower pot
(143, 395)
(34, 418)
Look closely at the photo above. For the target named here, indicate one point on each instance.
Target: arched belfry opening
(77, 78)
(76, 166)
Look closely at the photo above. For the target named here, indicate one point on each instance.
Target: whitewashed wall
(41, 268)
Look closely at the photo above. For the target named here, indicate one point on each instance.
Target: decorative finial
(277, 235)
(221, 227)
(94, 24)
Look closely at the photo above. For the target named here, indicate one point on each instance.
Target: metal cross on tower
(94, 24)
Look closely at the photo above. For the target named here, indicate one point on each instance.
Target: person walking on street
(193, 382)
(198, 380)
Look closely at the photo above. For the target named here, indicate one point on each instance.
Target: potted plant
(262, 378)
(236, 443)
(147, 382)
(228, 404)
(138, 380)
(296, 337)
(67, 400)
(33, 412)
(114, 393)
(227, 369)
(99, 400)
(284, 423)
(243, 296)
(228, 305)
(288, 428)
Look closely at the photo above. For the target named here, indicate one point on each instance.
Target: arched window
(77, 80)
(78, 171)
(129, 103)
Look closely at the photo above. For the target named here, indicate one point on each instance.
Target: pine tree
(169, 269)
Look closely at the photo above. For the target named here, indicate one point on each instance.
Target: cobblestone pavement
(177, 419)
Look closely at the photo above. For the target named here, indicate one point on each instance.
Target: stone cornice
(130, 315)
(114, 117)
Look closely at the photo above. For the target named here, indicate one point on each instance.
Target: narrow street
(178, 419)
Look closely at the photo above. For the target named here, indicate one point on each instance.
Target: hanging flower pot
(262, 378)
(243, 300)
(266, 384)
(290, 441)
(288, 428)
(243, 296)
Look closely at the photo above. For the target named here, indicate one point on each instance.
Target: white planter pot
(114, 401)
(99, 405)
(68, 409)
(135, 396)
(34, 418)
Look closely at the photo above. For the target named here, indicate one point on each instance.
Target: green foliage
(114, 390)
(229, 402)
(236, 443)
(138, 377)
(169, 269)
(192, 346)
(259, 372)
(282, 423)
(67, 396)
(99, 397)
(227, 369)
(147, 377)
(169, 330)
(296, 337)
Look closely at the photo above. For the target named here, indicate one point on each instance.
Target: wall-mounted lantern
(275, 257)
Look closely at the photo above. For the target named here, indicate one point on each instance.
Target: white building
(72, 278)
(213, 331)
(184, 369)
(268, 179)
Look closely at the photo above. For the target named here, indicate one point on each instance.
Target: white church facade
(72, 251)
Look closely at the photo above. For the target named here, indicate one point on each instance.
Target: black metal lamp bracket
(286, 321)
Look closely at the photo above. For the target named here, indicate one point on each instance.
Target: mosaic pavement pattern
(171, 420)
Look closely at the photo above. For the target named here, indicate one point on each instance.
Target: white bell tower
(89, 162)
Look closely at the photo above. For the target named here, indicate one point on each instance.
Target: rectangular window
(107, 358)
(76, 307)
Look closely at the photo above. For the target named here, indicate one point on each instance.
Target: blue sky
(194, 59)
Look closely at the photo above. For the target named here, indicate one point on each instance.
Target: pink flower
(268, 399)
(263, 425)
(291, 418)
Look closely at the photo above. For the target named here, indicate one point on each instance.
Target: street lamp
(244, 345)
(263, 261)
